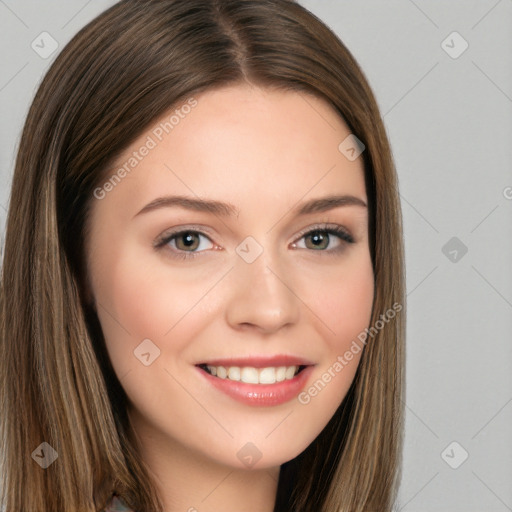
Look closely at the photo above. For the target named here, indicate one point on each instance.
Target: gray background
(449, 119)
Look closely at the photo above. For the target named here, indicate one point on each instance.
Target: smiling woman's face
(255, 278)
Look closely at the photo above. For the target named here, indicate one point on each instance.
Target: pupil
(318, 238)
(188, 239)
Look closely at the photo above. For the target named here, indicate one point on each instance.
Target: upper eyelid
(172, 232)
(323, 226)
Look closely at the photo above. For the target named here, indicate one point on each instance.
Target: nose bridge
(262, 293)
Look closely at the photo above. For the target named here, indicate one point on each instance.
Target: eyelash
(330, 229)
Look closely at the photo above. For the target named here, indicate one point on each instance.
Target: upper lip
(259, 361)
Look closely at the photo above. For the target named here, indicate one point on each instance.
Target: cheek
(348, 304)
(341, 298)
(342, 301)
(137, 302)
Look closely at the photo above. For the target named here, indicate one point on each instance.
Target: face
(214, 252)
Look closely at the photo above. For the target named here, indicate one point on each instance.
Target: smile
(263, 386)
(251, 375)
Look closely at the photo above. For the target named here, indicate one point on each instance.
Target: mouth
(253, 375)
(258, 381)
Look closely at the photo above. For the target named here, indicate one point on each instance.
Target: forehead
(240, 143)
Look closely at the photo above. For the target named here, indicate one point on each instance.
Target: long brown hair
(118, 75)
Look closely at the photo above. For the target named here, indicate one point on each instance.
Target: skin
(264, 151)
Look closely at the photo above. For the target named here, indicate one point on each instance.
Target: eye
(188, 243)
(185, 243)
(320, 238)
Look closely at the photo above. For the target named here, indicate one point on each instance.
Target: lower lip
(261, 394)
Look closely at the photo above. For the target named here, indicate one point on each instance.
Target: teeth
(280, 373)
(290, 372)
(251, 375)
(267, 376)
(233, 373)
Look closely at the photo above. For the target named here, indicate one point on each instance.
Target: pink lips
(260, 394)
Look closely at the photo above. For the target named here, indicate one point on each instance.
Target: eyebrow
(227, 209)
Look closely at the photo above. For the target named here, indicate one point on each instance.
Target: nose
(262, 296)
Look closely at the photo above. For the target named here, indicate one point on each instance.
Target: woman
(202, 288)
